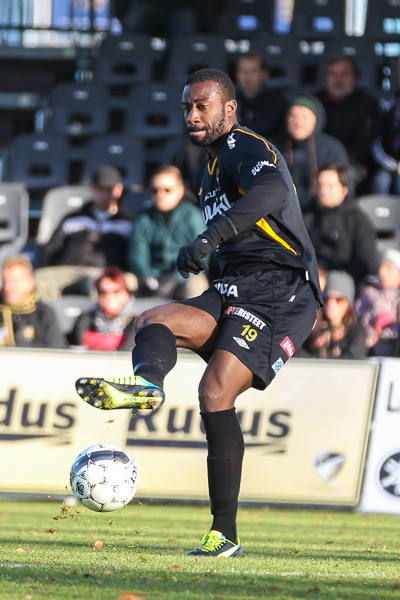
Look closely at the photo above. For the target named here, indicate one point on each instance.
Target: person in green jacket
(158, 234)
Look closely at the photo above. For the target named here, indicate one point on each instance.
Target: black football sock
(224, 462)
(155, 353)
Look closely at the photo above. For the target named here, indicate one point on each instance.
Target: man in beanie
(338, 333)
(378, 307)
(87, 240)
(306, 148)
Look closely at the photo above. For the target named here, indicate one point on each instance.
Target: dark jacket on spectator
(343, 239)
(264, 114)
(86, 240)
(355, 122)
(351, 346)
(386, 150)
(32, 325)
(306, 158)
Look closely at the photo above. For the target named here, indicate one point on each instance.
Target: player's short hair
(342, 172)
(20, 260)
(169, 170)
(252, 55)
(336, 58)
(225, 85)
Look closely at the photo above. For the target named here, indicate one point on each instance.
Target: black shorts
(263, 318)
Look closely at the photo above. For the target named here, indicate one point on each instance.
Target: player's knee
(213, 397)
(146, 318)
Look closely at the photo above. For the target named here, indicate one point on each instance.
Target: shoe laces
(212, 543)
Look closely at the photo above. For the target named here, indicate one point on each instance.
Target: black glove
(191, 257)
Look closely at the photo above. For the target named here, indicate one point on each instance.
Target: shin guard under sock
(155, 353)
(224, 462)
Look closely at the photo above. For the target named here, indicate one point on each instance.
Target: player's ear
(231, 107)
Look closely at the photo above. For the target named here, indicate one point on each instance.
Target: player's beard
(212, 133)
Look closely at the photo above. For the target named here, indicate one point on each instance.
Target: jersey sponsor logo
(241, 343)
(226, 289)
(218, 207)
(245, 314)
(260, 165)
(231, 141)
(288, 346)
(278, 364)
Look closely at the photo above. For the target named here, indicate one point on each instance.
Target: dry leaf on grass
(20, 550)
(108, 572)
(175, 579)
(98, 544)
(35, 560)
(131, 596)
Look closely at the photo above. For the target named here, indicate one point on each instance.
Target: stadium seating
(39, 161)
(192, 52)
(155, 111)
(246, 19)
(383, 20)
(283, 58)
(384, 212)
(125, 60)
(57, 203)
(69, 308)
(14, 201)
(79, 109)
(318, 19)
(124, 152)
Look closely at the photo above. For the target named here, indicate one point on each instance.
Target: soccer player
(249, 323)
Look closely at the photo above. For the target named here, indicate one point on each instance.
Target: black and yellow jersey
(250, 184)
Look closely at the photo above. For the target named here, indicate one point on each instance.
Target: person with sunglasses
(159, 232)
(338, 332)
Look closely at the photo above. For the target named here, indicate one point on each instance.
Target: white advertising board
(305, 436)
(381, 487)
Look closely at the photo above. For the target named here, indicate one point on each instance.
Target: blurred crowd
(339, 143)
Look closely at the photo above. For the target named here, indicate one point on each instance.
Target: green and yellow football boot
(216, 544)
(129, 392)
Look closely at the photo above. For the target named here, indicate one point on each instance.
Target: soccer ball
(104, 478)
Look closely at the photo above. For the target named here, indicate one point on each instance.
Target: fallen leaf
(175, 579)
(181, 550)
(146, 580)
(339, 582)
(28, 596)
(273, 588)
(108, 572)
(169, 540)
(20, 550)
(175, 567)
(384, 548)
(98, 544)
(52, 530)
(143, 559)
(131, 596)
(313, 590)
(35, 560)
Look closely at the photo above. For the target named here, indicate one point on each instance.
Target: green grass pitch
(47, 551)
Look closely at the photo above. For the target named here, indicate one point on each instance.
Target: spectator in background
(158, 234)
(25, 320)
(342, 235)
(352, 114)
(378, 307)
(88, 240)
(259, 108)
(338, 333)
(306, 148)
(386, 149)
(110, 326)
